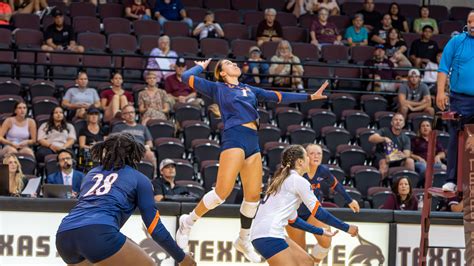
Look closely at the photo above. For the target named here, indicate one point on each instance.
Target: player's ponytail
(289, 157)
(217, 71)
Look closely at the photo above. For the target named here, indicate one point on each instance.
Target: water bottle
(420, 202)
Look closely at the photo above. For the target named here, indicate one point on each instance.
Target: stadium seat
(28, 38)
(175, 28)
(120, 43)
(146, 27)
(205, 150)
(354, 119)
(253, 17)
(265, 117)
(65, 66)
(41, 88)
(197, 14)
(10, 86)
(8, 102)
(5, 38)
(193, 187)
(272, 152)
(117, 25)
(301, 134)
(306, 52)
(363, 135)
(26, 21)
(383, 118)
(382, 7)
(372, 103)
(209, 173)
(244, 4)
(192, 3)
(44, 105)
(51, 164)
(194, 129)
(278, 5)
(415, 119)
(439, 178)
(460, 12)
(410, 11)
(396, 172)
(184, 45)
(147, 43)
(442, 40)
(350, 155)
(443, 138)
(333, 137)
(92, 42)
(8, 60)
(185, 112)
(215, 48)
(305, 107)
(346, 78)
(161, 128)
(238, 32)
(85, 9)
(350, 8)
(360, 54)
(86, 24)
(217, 4)
(409, 37)
(353, 192)
(27, 162)
(365, 177)
(146, 168)
(320, 118)
(184, 170)
(286, 116)
(378, 199)
(226, 16)
(341, 22)
(267, 133)
(306, 20)
(295, 34)
(337, 172)
(439, 13)
(315, 76)
(287, 20)
(449, 26)
(111, 10)
(335, 53)
(97, 66)
(340, 102)
(168, 148)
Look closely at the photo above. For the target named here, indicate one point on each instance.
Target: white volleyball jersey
(275, 210)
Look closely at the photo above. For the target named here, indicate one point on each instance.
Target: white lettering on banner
(211, 242)
(449, 236)
(28, 238)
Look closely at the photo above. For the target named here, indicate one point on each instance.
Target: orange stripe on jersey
(153, 224)
(278, 95)
(335, 184)
(316, 207)
(292, 221)
(191, 82)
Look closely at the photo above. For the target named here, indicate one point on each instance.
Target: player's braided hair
(289, 157)
(118, 150)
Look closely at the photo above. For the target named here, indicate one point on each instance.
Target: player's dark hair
(289, 156)
(118, 150)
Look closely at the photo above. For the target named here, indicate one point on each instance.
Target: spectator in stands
(372, 18)
(93, 132)
(313, 6)
(179, 91)
(66, 174)
(419, 148)
(382, 70)
(269, 29)
(37, 7)
(399, 22)
(6, 13)
(78, 99)
(424, 50)
(424, 20)
(55, 135)
(114, 99)
(357, 35)
(171, 10)
(15, 174)
(162, 59)
(140, 132)
(18, 133)
(414, 95)
(431, 70)
(380, 31)
(396, 48)
(153, 102)
(165, 186)
(209, 28)
(402, 197)
(284, 64)
(393, 147)
(138, 10)
(256, 66)
(455, 204)
(324, 32)
(60, 36)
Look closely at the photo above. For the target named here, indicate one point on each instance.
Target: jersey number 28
(102, 185)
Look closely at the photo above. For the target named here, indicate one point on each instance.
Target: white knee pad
(211, 200)
(249, 209)
(319, 252)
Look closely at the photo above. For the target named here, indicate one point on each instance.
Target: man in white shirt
(66, 175)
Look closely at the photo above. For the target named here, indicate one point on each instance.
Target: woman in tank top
(18, 133)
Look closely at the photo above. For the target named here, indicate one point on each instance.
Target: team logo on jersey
(366, 253)
(157, 253)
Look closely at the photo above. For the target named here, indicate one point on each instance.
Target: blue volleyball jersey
(237, 103)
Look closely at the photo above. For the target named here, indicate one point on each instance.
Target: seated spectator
(78, 99)
(313, 6)
(162, 59)
(455, 204)
(153, 102)
(66, 174)
(357, 35)
(324, 32)
(269, 29)
(414, 95)
(430, 75)
(424, 20)
(55, 135)
(256, 66)
(380, 32)
(178, 91)
(382, 70)
(424, 50)
(60, 36)
(138, 10)
(17, 180)
(6, 13)
(18, 133)
(209, 28)
(37, 7)
(93, 132)
(164, 186)
(284, 54)
(399, 22)
(140, 132)
(396, 48)
(402, 197)
(393, 147)
(171, 10)
(419, 148)
(372, 17)
(114, 99)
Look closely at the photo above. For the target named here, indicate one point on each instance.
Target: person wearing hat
(180, 92)
(162, 59)
(209, 28)
(414, 95)
(424, 50)
(256, 66)
(381, 69)
(77, 99)
(164, 186)
(60, 36)
(92, 132)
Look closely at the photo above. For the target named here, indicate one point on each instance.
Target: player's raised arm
(192, 79)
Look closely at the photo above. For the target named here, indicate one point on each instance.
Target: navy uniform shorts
(241, 137)
(93, 243)
(269, 246)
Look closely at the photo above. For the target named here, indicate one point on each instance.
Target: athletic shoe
(449, 187)
(244, 246)
(182, 235)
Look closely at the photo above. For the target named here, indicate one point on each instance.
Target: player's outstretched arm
(289, 97)
(192, 79)
(305, 226)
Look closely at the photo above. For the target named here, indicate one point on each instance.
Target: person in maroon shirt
(383, 70)
(324, 32)
(180, 92)
(402, 197)
(114, 99)
(419, 147)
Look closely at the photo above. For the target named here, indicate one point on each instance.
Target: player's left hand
(328, 232)
(318, 95)
(354, 206)
(188, 260)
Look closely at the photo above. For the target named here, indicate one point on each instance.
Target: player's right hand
(188, 260)
(204, 64)
(441, 100)
(353, 230)
(328, 233)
